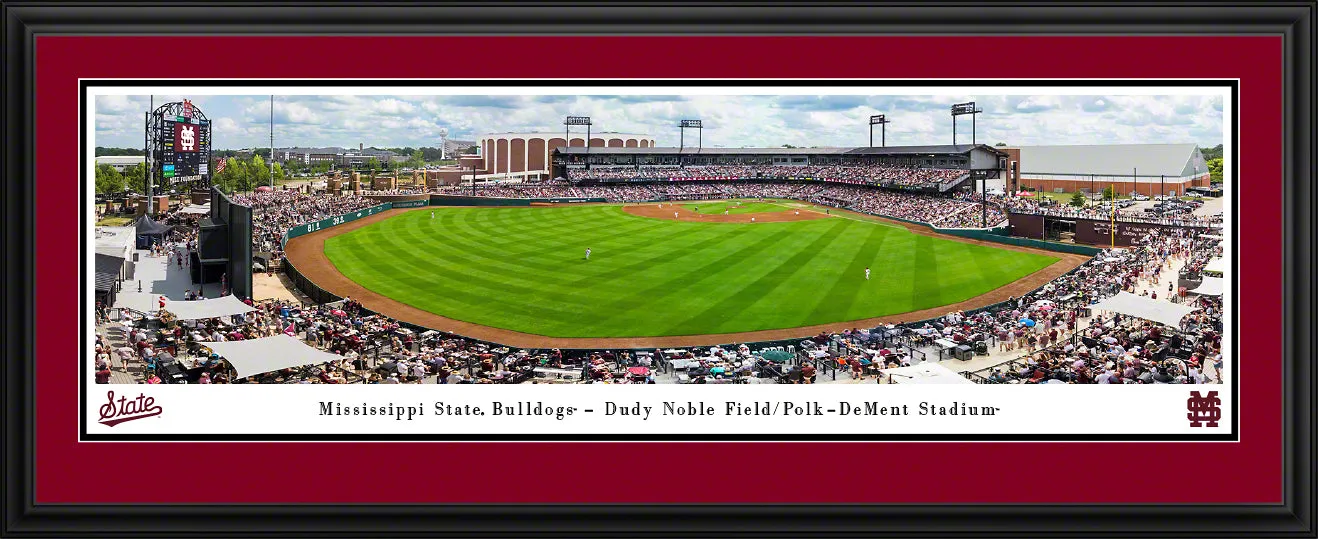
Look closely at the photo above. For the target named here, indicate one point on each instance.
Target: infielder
(674, 215)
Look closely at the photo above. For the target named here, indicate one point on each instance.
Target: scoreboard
(186, 148)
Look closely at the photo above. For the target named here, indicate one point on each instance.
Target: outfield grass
(524, 269)
(734, 207)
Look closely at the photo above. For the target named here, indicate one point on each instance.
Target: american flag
(219, 167)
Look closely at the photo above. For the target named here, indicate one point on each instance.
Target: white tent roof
(1216, 265)
(1210, 236)
(259, 356)
(196, 208)
(925, 373)
(142, 302)
(1156, 310)
(207, 308)
(1211, 286)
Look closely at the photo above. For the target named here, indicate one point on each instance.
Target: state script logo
(1203, 409)
(123, 410)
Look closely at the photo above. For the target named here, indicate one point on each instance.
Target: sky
(733, 121)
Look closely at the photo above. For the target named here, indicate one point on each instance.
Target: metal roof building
(1113, 162)
(1150, 169)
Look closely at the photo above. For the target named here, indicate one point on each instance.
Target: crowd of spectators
(872, 173)
(1031, 205)
(1111, 349)
(374, 349)
(275, 212)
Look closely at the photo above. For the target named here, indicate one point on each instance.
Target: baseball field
(664, 271)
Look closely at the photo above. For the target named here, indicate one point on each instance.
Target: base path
(307, 253)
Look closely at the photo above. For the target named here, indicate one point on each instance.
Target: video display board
(186, 149)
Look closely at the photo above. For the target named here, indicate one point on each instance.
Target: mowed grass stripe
(842, 295)
(551, 255)
(479, 301)
(650, 277)
(780, 268)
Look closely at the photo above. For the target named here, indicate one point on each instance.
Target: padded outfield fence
(319, 295)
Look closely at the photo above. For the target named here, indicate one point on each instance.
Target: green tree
(135, 178)
(280, 175)
(108, 180)
(103, 150)
(260, 172)
(1211, 153)
(417, 160)
(1077, 199)
(1109, 193)
(373, 164)
(320, 167)
(1001, 144)
(471, 150)
(1215, 168)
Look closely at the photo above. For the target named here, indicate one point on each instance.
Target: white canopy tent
(141, 302)
(1155, 310)
(207, 308)
(1216, 265)
(1211, 286)
(198, 209)
(924, 373)
(268, 354)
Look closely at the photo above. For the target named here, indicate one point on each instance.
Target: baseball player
(867, 273)
(432, 215)
(674, 215)
(588, 253)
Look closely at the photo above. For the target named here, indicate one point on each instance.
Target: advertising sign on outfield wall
(412, 203)
(335, 221)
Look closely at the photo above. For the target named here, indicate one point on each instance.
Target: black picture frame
(23, 21)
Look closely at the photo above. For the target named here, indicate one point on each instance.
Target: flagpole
(1114, 216)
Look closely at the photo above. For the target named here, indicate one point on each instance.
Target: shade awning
(198, 209)
(207, 308)
(1154, 310)
(142, 302)
(1211, 286)
(1216, 265)
(924, 373)
(268, 354)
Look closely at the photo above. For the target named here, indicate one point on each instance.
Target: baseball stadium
(548, 258)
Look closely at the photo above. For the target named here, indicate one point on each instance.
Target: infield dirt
(307, 253)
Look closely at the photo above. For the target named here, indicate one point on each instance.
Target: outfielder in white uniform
(588, 253)
(867, 274)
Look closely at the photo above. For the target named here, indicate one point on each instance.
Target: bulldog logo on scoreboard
(185, 137)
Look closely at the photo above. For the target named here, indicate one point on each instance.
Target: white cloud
(730, 121)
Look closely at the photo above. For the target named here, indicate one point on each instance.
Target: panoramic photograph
(657, 239)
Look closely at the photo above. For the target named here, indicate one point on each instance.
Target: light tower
(961, 109)
(881, 121)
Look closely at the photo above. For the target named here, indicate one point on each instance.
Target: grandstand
(933, 169)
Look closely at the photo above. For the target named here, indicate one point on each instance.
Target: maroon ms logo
(1203, 409)
(116, 412)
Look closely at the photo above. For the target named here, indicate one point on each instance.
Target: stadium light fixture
(690, 124)
(881, 121)
(567, 138)
(961, 109)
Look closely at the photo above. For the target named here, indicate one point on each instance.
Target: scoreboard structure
(178, 148)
